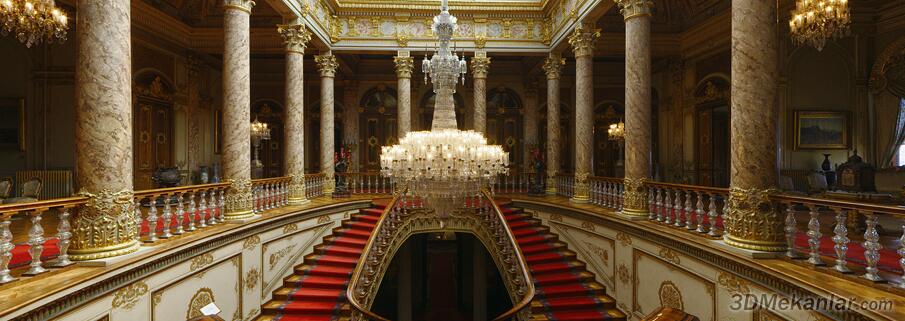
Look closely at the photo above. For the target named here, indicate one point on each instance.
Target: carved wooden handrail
(530, 292)
(697, 188)
(67, 202)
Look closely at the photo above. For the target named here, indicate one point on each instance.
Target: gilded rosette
(239, 200)
(635, 197)
(582, 188)
(752, 221)
(106, 226)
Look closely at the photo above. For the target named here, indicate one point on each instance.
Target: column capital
(326, 64)
(553, 66)
(583, 39)
(480, 66)
(242, 5)
(635, 8)
(404, 66)
(295, 37)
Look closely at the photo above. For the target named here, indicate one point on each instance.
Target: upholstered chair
(6, 185)
(30, 192)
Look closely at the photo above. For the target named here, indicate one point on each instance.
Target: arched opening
(608, 153)
(270, 152)
(377, 124)
(711, 99)
(442, 277)
(153, 127)
(504, 122)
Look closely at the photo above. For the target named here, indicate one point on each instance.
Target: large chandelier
(445, 165)
(815, 21)
(616, 131)
(33, 21)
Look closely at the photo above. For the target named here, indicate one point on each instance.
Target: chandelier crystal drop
(616, 131)
(33, 21)
(815, 21)
(444, 166)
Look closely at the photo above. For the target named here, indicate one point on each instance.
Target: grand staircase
(316, 291)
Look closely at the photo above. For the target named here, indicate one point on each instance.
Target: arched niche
(711, 130)
(153, 125)
(377, 124)
(271, 151)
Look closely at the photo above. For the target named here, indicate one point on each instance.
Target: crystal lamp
(259, 132)
(445, 165)
(815, 21)
(33, 21)
(616, 131)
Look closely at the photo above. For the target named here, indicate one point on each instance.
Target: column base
(756, 246)
(299, 201)
(239, 217)
(633, 214)
(580, 199)
(240, 220)
(551, 190)
(113, 260)
(754, 254)
(105, 252)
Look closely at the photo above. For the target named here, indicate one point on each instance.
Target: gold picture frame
(822, 130)
(12, 135)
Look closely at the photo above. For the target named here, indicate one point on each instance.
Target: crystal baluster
(152, 219)
(6, 248)
(659, 192)
(202, 210)
(791, 229)
(668, 207)
(814, 236)
(712, 216)
(35, 243)
(64, 235)
(871, 248)
(167, 217)
(678, 210)
(840, 238)
(651, 203)
(694, 214)
(179, 215)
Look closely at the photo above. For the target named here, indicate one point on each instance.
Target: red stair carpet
(317, 289)
(565, 289)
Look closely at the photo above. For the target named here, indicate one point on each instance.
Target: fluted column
(637, 14)
(236, 156)
(480, 65)
(582, 41)
(404, 65)
(326, 65)
(106, 226)
(295, 37)
(553, 69)
(752, 221)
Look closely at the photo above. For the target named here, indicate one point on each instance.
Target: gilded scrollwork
(582, 186)
(753, 222)
(623, 274)
(669, 255)
(588, 226)
(624, 239)
(600, 252)
(106, 226)
(251, 241)
(323, 219)
(201, 261)
(279, 255)
(670, 295)
(289, 228)
(239, 200)
(128, 296)
(251, 278)
(635, 196)
(200, 299)
(733, 284)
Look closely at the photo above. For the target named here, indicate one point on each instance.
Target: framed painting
(821, 130)
(12, 124)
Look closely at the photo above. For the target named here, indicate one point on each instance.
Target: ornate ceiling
(209, 13)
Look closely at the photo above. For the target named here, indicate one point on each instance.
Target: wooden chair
(6, 185)
(30, 192)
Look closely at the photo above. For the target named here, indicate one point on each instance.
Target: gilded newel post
(480, 66)
(752, 221)
(637, 15)
(553, 68)
(107, 225)
(582, 41)
(326, 65)
(404, 65)
(296, 38)
(237, 109)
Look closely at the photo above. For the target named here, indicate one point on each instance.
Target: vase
(826, 163)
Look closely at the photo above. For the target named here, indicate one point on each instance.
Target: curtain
(897, 137)
(895, 84)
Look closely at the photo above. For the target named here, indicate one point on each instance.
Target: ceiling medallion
(815, 21)
(445, 165)
(33, 21)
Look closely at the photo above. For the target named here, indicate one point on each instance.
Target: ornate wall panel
(218, 282)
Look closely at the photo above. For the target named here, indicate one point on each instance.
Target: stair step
(565, 277)
(339, 250)
(316, 281)
(547, 268)
(334, 271)
(542, 247)
(549, 257)
(573, 290)
(573, 303)
(534, 239)
(346, 241)
(332, 260)
(358, 234)
(360, 225)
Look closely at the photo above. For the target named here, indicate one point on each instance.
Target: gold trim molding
(105, 227)
(128, 296)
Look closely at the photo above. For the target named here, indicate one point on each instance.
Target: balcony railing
(367, 183)
(314, 185)
(270, 193)
(166, 212)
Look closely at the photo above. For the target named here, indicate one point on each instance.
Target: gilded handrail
(530, 293)
(709, 189)
(178, 189)
(65, 202)
(269, 180)
(356, 274)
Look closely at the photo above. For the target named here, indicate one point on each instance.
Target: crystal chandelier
(815, 21)
(445, 165)
(616, 131)
(33, 21)
(259, 132)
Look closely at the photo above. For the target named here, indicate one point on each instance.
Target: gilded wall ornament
(623, 274)
(556, 217)
(323, 219)
(624, 239)
(753, 222)
(670, 295)
(404, 66)
(635, 197)
(480, 41)
(289, 228)
(128, 296)
(668, 254)
(733, 284)
(105, 226)
(600, 252)
(201, 261)
(251, 278)
(251, 241)
(279, 255)
(295, 37)
(402, 39)
(588, 226)
(202, 298)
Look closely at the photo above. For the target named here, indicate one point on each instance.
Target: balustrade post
(179, 215)
(212, 207)
(814, 236)
(871, 248)
(202, 209)
(6, 248)
(840, 238)
(191, 211)
(152, 217)
(712, 216)
(791, 229)
(35, 243)
(167, 217)
(668, 205)
(659, 192)
(682, 212)
(651, 203)
(696, 212)
(64, 233)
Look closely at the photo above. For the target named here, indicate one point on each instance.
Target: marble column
(582, 41)
(480, 65)
(553, 69)
(404, 65)
(529, 125)
(637, 15)
(326, 65)
(753, 222)
(350, 116)
(296, 38)
(236, 156)
(106, 225)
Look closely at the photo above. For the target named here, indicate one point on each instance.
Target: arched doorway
(608, 153)
(711, 98)
(504, 123)
(377, 124)
(152, 118)
(270, 152)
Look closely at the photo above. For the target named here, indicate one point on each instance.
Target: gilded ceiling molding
(295, 37)
(583, 39)
(635, 8)
(243, 5)
(326, 65)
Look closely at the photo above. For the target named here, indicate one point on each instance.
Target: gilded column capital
(635, 197)
(752, 221)
(583, 39)
(635, 8)
(404, 66)
(106, 226)
(295, 37)
(480, 66)
(242, 5)
(553, 66)
(326, 65)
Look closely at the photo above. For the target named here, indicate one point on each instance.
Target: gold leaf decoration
(127, 296)
(624, 239)
(669, 255)
(670, 296)
(623, 274)
(323, 219)
(279, 255)
(251, 279)
(733, 284)
(202, 297)
(289, 228)
(201, 261)
(602, 253)
(588, 226)
(251, 242)
(556, 217)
